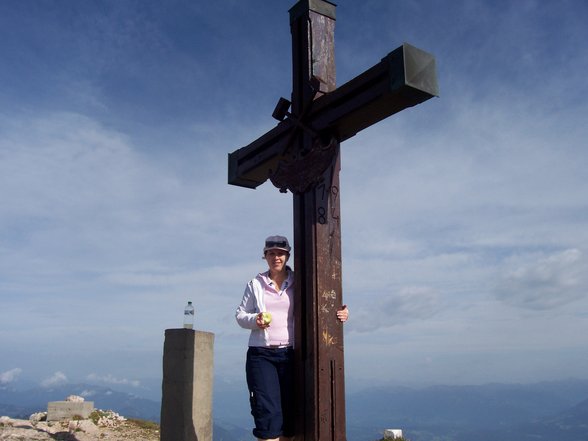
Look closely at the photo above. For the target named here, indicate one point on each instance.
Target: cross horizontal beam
(404, 78)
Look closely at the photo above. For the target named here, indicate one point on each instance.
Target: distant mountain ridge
(538, 412)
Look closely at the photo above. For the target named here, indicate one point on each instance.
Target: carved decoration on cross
(301, 168)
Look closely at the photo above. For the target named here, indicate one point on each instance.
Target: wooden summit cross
(301, 154)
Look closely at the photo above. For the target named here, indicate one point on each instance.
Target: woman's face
(276, 260)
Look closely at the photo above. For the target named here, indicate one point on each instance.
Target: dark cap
(276, 243)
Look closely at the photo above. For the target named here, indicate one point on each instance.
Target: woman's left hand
(343, 314)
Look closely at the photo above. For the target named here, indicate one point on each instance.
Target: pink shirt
(281, 306)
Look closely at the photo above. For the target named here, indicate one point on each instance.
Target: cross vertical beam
(317, 237)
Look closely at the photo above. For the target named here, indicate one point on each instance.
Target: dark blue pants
(270, 382)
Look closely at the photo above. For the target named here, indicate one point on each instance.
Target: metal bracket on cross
(281, 113)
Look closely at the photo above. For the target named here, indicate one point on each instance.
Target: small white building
(392, 433)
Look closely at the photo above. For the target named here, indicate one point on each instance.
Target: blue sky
(464, 219)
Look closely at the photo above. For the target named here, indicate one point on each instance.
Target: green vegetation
(144, 424)
(96, 415)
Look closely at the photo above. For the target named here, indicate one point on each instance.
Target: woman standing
(270, 357)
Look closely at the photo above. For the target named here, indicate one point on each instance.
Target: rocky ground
(99, 427)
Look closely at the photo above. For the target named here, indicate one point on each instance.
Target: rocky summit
(101, 425)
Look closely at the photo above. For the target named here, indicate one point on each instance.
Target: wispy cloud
(395, 309)
(111, 379)
(57, 379)
(542, 282)
(10, 375)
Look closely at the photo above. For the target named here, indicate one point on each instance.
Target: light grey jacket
(253, 303)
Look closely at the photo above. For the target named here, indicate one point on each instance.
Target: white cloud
(406, 305)
(10, 375)
(57, 379)
(544, 282)
(111, 379)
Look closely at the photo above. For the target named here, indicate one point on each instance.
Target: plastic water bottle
(189, 316)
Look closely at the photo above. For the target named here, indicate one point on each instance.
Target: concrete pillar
(186, 404)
